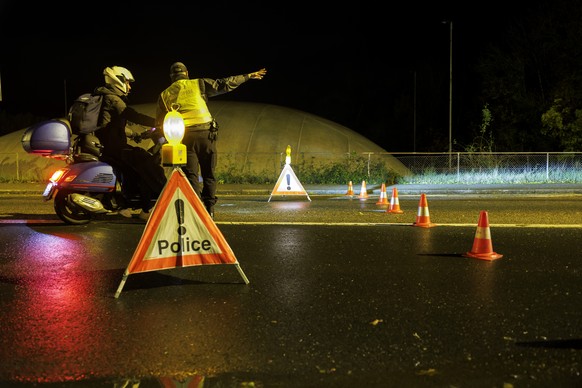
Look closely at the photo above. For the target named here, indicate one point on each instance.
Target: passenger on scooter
(136, 164)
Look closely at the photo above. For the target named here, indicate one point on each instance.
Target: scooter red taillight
(57, 175)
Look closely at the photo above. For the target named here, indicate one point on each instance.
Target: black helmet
(178, 70)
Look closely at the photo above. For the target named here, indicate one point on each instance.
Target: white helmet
(117, 76)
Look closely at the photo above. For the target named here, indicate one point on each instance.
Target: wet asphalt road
(341, 294)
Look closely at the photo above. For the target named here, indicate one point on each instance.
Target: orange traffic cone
(482, 245)
(383, 200)
(363, 191)
(394, 203)
(350, 189)
(423, 216)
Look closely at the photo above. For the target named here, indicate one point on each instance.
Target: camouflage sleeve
(215, 87)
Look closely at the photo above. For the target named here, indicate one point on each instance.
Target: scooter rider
(136, 164)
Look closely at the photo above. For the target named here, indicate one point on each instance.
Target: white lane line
(557, 226)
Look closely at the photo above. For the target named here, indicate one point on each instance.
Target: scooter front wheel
(68, 211)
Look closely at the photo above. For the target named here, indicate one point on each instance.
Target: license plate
(48, 191)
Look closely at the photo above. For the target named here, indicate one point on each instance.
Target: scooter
(87, 186)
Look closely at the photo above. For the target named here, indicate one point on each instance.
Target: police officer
(190, 97)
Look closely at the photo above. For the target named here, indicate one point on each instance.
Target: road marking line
(557, 226)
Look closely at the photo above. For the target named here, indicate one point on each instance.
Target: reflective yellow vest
(187, 94)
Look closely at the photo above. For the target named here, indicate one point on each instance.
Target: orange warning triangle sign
(180, 232)
(288, 184)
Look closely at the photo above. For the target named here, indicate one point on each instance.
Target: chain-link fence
(501, 167)
(317, 167)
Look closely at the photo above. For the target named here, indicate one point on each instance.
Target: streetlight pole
(414, 115)
(450, 91)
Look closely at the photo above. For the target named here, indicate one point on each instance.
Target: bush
(352, 168)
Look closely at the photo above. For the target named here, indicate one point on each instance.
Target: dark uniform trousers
(201, 157)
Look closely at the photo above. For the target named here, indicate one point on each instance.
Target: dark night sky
(312, 55)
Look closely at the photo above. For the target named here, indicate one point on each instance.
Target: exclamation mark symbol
(179, 205)
(288, 181)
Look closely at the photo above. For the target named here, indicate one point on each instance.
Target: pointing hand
(259, 74)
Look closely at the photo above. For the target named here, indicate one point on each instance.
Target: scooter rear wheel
(68, 211)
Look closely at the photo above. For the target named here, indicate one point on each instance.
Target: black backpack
(84, 113)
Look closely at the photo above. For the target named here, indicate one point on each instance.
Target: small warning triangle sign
(179, 233)
(288, 184)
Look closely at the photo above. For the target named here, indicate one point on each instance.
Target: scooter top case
(50, 138)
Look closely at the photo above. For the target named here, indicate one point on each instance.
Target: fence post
(458, 167)
(547, 167)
